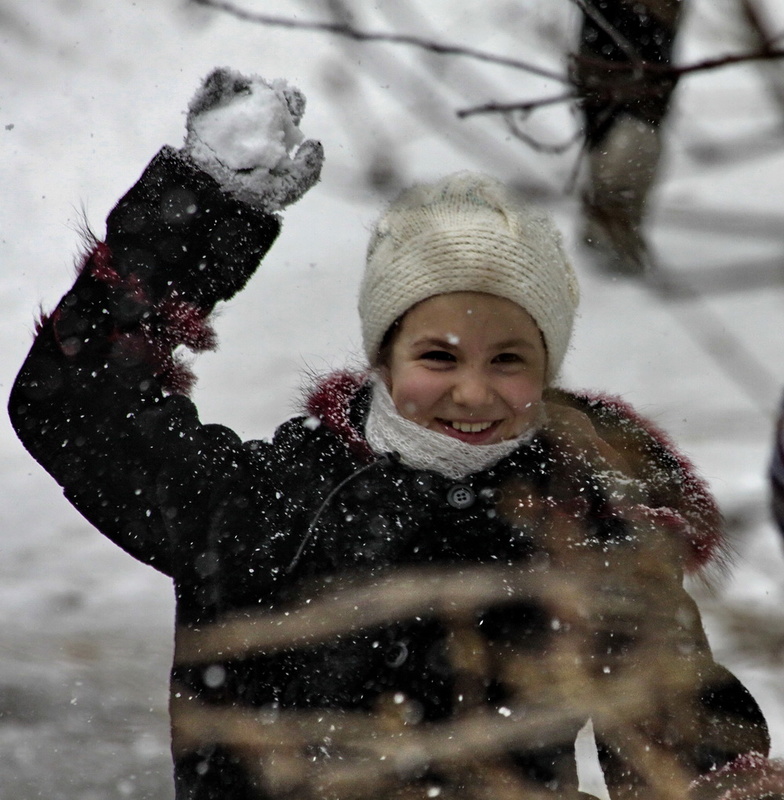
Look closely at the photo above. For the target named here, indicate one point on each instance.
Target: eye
(508, 358)
(437, 355)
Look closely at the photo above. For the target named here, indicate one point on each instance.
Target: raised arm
(100, 400)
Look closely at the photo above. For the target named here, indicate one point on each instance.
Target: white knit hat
(467, 233)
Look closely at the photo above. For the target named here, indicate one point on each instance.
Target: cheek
(414, 394)
(524, 394)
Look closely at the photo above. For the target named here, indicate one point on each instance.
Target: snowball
(251, 130)
(243, 131)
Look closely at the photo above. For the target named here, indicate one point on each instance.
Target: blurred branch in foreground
(621, 644)
(367, 755)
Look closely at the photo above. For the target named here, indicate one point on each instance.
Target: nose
(472, 391)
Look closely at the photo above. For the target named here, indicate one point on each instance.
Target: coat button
(461, 497)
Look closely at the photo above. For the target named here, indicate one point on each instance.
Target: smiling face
(468, 365)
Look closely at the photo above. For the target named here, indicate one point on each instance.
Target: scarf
(418, 447)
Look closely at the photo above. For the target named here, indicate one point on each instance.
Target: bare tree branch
(645, 67)
(535, 144)
(650, 68)
(371, 36)
(529, 105)
(640, 71)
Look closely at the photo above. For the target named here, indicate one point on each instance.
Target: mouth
(471, 432)
(470, 427)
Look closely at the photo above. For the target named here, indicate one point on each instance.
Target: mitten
(200, 219)
(242, 130)
(194, 227)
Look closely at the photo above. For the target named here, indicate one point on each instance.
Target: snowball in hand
(243, 131)
(250, 129)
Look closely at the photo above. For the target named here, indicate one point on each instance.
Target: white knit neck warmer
(387, 431)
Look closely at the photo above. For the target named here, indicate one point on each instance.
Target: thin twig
(375, 36)
(650, 68)
(528, 105)
(636, 89)
(535, 144)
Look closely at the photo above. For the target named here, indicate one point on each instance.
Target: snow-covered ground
(88, 92)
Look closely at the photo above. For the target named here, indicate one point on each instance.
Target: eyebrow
(445, 344)
(525, 343)
(434, 341)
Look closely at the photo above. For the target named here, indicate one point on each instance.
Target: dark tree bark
(624, 106)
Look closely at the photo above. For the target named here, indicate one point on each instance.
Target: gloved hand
(243, 131)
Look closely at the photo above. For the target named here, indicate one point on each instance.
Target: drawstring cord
(386, 457)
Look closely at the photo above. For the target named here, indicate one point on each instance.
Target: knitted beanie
(467, 233)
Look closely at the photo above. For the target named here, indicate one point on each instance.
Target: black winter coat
(266, 532)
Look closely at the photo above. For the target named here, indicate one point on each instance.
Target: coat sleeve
(100, 400)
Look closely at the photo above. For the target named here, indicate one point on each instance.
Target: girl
(538, 537)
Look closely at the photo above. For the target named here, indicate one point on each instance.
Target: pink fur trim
(168, 324)
(330, 402)
(186, 324)
(751, 775)
(700, 514)
(99, 261)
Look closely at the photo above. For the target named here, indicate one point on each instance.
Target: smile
(470, 427)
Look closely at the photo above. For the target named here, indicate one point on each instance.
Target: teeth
(471, 427)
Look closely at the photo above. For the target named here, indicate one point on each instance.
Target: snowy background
(90, 89)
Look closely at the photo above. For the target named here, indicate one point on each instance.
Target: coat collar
(340, 402)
